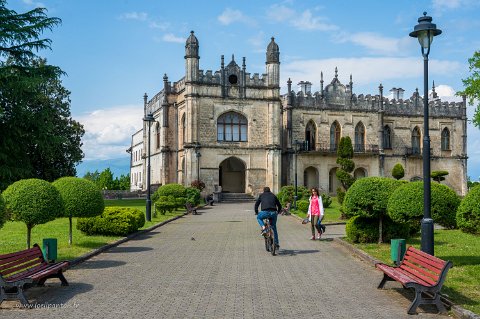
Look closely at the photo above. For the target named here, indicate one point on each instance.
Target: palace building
(237, 132)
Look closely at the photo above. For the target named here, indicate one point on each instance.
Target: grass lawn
(332, 213)
(13, 235)
(462, 284)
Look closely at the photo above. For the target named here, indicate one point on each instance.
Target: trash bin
(397, 250)
(50, 249)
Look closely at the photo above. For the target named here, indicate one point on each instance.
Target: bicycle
(269, 238)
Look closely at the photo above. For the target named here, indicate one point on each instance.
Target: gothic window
(387, 137)
(445, 139)
(416, 140)
(310, 133)
(334, 136)
(232, 127)
(157, 136)
(359, 137)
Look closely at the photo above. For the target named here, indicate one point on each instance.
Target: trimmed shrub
(398, 172)
(175, 190)
(3, 214)
(192, 195)
(165, 203)
(198, 185)
(287, 193)
(438, 176)
(361, 229)
(368, 197)
(302, 205)
(468, 213)
(114, 221)
(340, 195)
(326, 200)
(34, 202)
(406, 204)
(81, 198)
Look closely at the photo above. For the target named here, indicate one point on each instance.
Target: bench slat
(22, 266)
(427, 263)
(25, 273)
(15, 260)
(418, 273)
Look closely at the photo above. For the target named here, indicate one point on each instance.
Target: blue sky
(114, 51)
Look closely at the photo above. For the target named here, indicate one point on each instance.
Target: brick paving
(214, 265)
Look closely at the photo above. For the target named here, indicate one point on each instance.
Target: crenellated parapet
(337, 96)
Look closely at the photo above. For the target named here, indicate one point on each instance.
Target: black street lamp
(197, 153)
(296, 146)
(148, 210)
(424, 31)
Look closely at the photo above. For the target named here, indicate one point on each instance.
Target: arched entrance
(232, 175)
(310, 177)
(333, 182)
(359, 173)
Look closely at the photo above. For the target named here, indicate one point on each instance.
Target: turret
(191, 58)
(273, 64)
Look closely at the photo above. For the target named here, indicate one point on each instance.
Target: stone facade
(236, 132)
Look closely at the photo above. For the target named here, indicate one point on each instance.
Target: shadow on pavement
(294, 252)
(125, 249)
(99, 264)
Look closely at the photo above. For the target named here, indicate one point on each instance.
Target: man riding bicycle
(270, 207)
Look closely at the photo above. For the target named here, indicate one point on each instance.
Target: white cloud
(230, 16)
(300, 20)
(377, 43)
(34, 3)
(365, 70)
(169, 37)
(159, 25)
(140, 16)
(108, 132)
(447, 93)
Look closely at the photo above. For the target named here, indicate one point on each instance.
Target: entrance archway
(333, 182)
(232, 175)
(310, 177)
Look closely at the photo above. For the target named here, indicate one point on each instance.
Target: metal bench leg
(441, 308)
(413, 307)
(21, 296)
(62, 279)
(384, 280)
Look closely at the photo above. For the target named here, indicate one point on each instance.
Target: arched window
(359, 137)
(334, 136)
(445, 140)
(416, 140)
(387, 137)
(310, 133)
(232, 127)
(157, 137)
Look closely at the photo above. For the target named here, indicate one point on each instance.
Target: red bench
(420, 271)
(26, 267)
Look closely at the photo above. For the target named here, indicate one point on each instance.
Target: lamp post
(148, 209)
(296, 189)
(197, 153)
(424, 31)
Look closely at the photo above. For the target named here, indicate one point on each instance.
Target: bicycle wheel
(273, 248)
(267, 244)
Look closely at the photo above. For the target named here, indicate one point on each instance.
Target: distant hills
(118, 166)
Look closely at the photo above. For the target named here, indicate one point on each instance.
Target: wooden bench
(420, 271)
(191, 209)
(26, 267)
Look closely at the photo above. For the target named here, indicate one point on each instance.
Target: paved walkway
(214, 265)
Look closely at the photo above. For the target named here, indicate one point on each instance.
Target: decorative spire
(321, 83)
(191, 46)
(233, 58)
(165, 83)
(433, 86)
(145, 98)
(222, 64)
(351, 85)
(336, 73)
(244, 66)
(273, 52)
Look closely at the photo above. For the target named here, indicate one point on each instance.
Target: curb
(458, 311)
(99, 250)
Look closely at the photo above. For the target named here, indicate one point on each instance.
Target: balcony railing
(304, 146)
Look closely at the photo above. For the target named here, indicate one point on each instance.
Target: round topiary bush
(406, 204)
(165, 203)
(114, 221)
(398, 172)
(302, 205)
(3, 214)
(34, 202)
(287, 194)
(468, 213)
(81, 198)
(192, 195)
(326, 200)
(360, 229)
(175, 190)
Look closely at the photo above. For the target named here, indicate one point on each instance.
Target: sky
(115, 51)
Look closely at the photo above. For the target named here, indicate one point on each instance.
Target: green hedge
(468, 213)
(361, 229)
(165, 204)
(192, 195)
(3, 214)
(302, 205)
(406, 204)
(175, 190)
(114, 221)
(287, 194)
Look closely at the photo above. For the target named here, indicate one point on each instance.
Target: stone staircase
(236, 197)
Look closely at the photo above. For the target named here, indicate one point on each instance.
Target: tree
(34, 202)
(472, 86)
(105, 179)
(2, 211)
(438, 176)
(398, 172)
(344, 159)
(93, 177)
(81, 198)
(39, 137)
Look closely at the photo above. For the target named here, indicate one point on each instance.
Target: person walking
(315, 212)
(270, 208)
